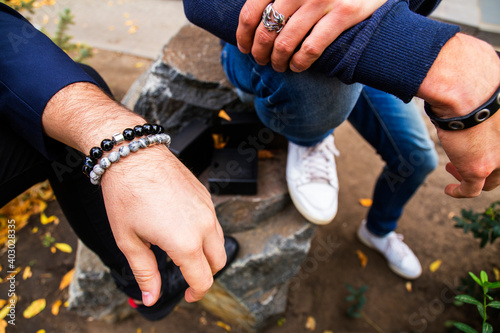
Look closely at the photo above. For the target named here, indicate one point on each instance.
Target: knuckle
(283, 46)
(311, 50)
(246, 18)
(203, 285)
(348, 8)
(143, 276)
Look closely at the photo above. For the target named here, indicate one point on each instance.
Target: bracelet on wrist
(474, 118)
(95, 164)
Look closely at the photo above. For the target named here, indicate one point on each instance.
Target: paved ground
(142, 27)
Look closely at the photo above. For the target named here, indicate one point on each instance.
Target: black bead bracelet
(128, 134)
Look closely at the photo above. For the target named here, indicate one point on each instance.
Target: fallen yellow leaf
(265, 154)
(46, 220)
(2, 302)
(409, 286)
(327, 331)
(225, 326)
(139, 330)
(52, 249)
(4, 311)
(34, 230)
(1, 268)
(363, 259)
(219, 141)
(496, 271)
(66, 279)
(3, 325)
(63, 247)
(435, 265)
(223, 114)
(139, 64)
(27, 273)
(133, 29)
(40, 331)
(366, 202)
(310, 323)
(34, 308)
(66, 304)
(55, 307)
(11, 275)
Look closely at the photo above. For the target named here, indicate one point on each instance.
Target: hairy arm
(150, 198)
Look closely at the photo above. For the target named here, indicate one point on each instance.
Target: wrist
(463, 77)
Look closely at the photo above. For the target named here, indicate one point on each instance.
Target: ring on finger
(272, 20)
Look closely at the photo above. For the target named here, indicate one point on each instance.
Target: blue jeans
(306, 107)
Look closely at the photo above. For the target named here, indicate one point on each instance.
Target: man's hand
(464, 76)
(150, 197)
(324, 19)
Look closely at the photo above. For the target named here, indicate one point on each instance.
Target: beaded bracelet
(94, 168)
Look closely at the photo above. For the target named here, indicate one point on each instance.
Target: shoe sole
(391, 266)
(304, 212)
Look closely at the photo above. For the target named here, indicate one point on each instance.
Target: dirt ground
(321, 290)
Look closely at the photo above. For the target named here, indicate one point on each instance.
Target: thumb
(145, 268)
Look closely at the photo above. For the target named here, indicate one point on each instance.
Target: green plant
(48, 240)
(485, 226)
(481, 304)
(356, 309)
(63, 39)
(359, 299)
(78, 51)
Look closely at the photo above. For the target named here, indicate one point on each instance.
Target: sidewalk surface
(143, 27)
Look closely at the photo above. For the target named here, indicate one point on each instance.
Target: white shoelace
(396, 246)
(318, 164)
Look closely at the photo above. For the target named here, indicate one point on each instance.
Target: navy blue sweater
(32, 70)
(392, 50)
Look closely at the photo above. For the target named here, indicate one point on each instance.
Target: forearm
(81, 116)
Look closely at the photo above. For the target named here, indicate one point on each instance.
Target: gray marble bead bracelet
(105, 163)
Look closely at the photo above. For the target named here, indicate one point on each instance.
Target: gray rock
(185, 83)
(93, 293)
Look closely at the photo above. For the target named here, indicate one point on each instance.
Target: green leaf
(475, 278)
(468, 299)
(494, 304)
(350, 298)
(484, 277)
(480, 309)
(465, 328)
(494, 285)
(487, 328)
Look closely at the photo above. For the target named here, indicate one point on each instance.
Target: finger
(250, 17)
(493, 181)
(198, 275)
(466, 189)
(214, 251)
(294, 32)
(263, 42)
(143, 263)
(453, 171)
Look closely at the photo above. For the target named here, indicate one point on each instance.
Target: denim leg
(304, 107)
(398, 133)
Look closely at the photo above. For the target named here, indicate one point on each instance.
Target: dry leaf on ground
(363, 259)
(63, 247)
(434, 266)
(34, 308)
(311, 323)
(366, 202)
(55, 307)
(66, 279)
(225, 326)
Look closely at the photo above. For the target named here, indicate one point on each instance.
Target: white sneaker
(311, 175)
(400, 257)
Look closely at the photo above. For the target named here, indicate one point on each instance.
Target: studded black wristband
(474, 118)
